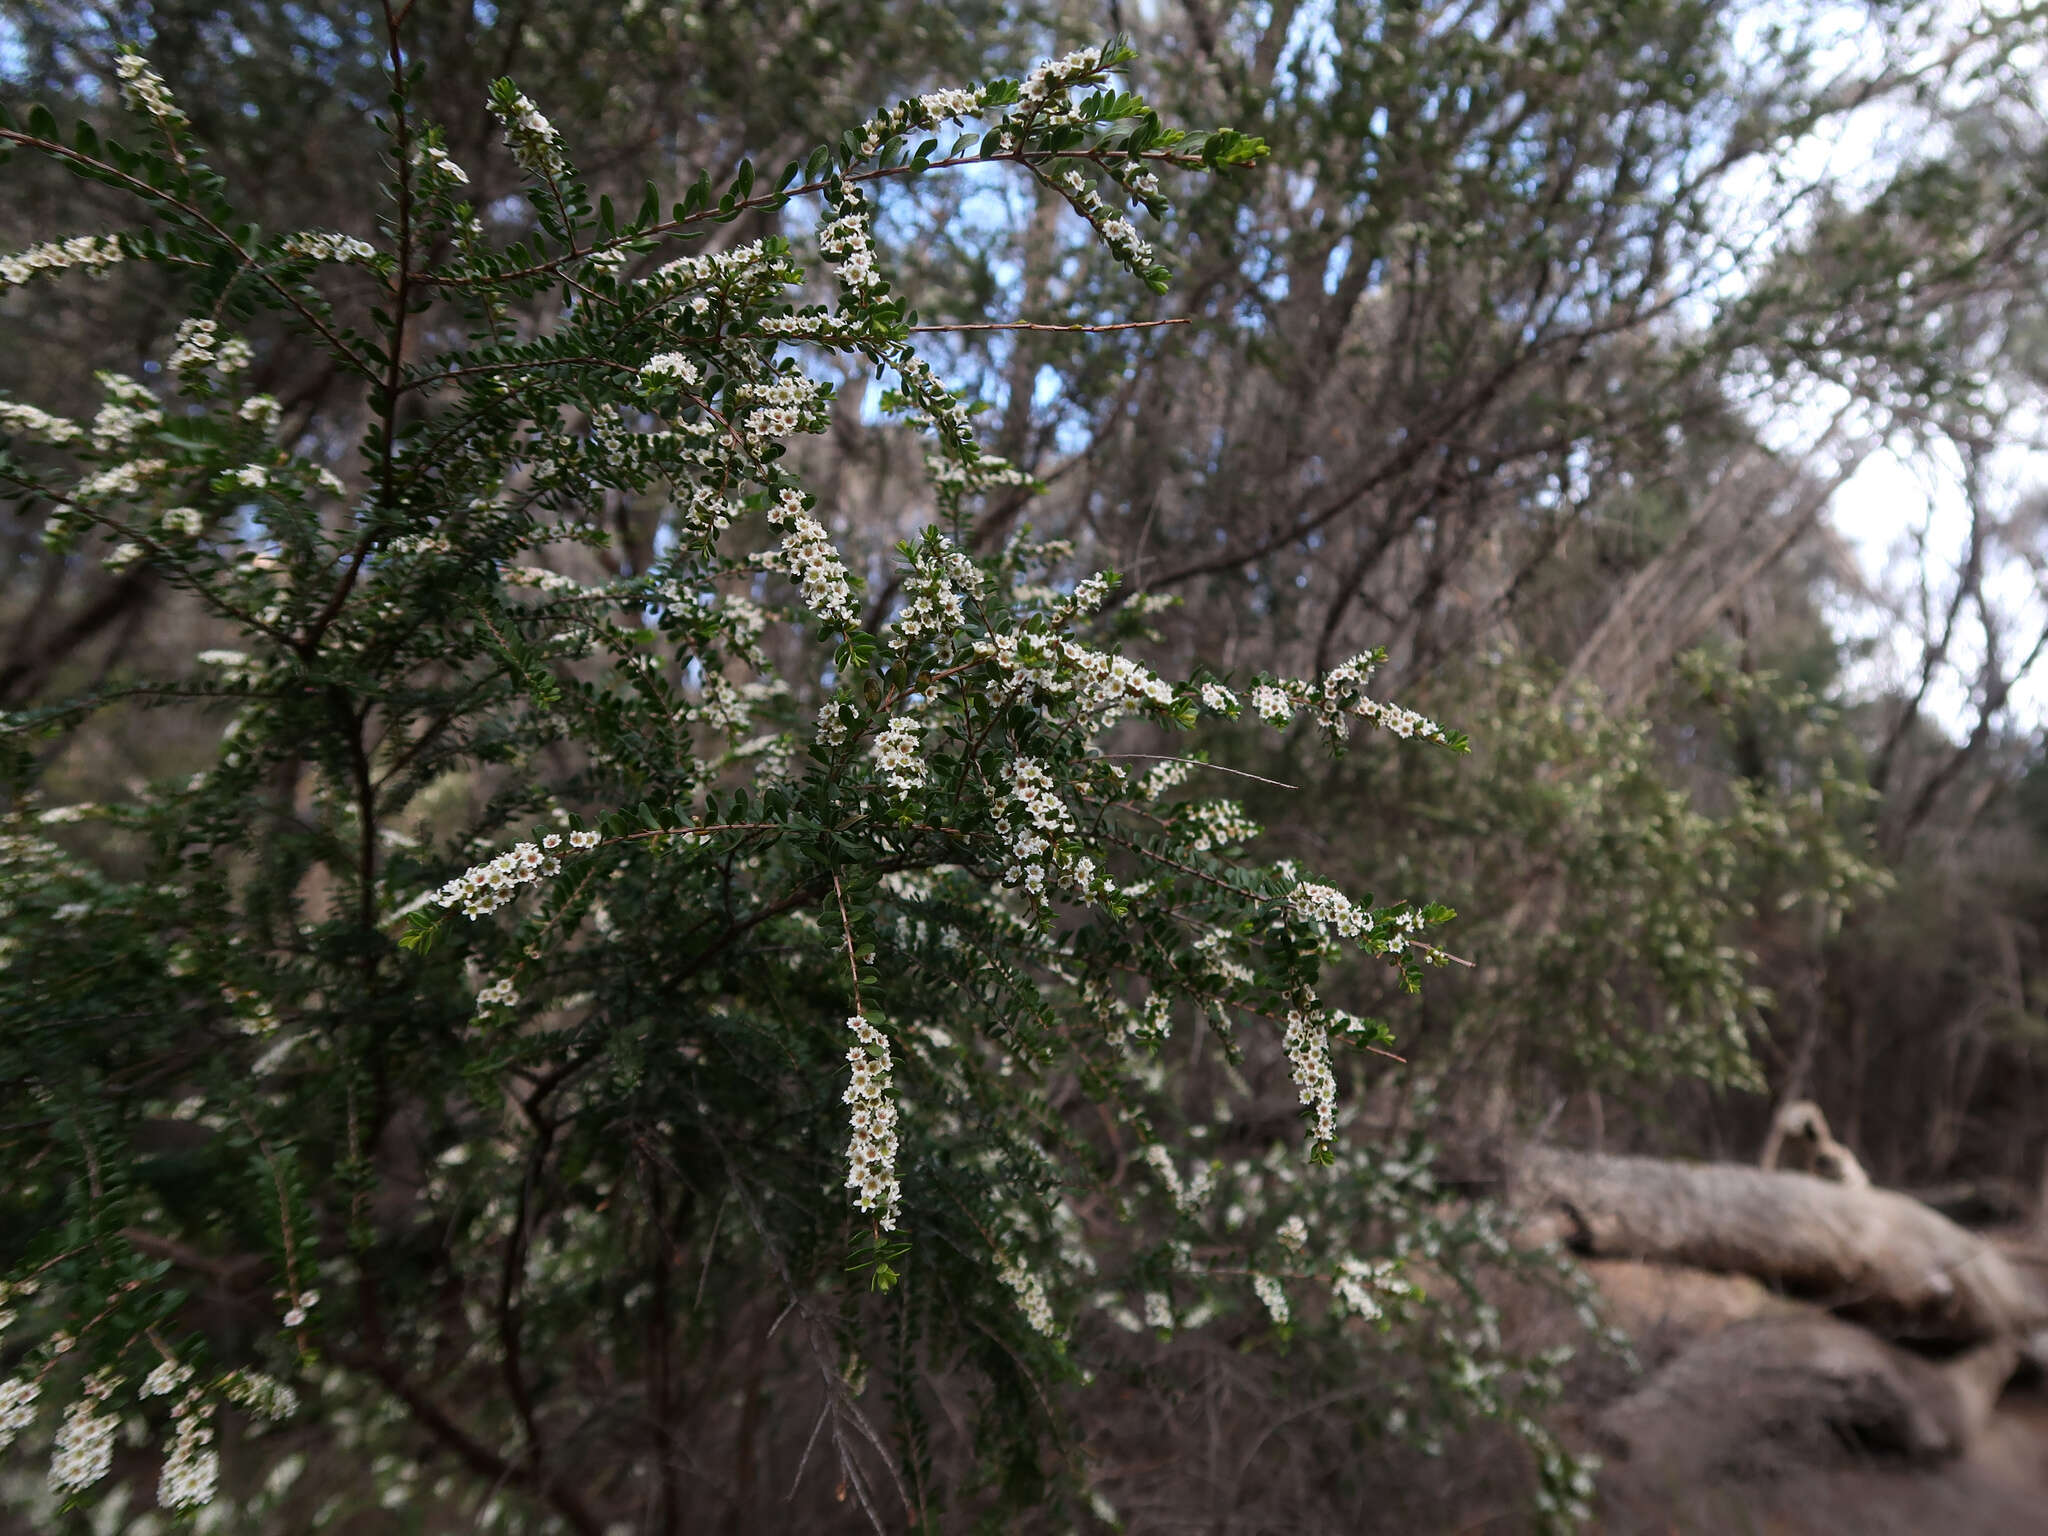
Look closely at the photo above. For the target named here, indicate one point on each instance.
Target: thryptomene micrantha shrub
(558, 957)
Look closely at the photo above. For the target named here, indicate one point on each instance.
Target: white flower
(96, 253)
(808, 556)
(1158, 1310)
(499, 994)
(1360, 1285)
(18, 1396)
(1030, 1295)
(1293, 1234)
(488, 887)
(168, 1376)
(195, 346)
(1327, 907)
(322, 245)
(84, 1447)
(871, 1154)
(1270, 1292)
(264, 1396)
(531, 138)
(16, 417)
(262, 410)
(1273, 705)
(120, 480)
(144, 89)
(123, 555)
(435, 161)
(895, 752)
(1219, 698)
(667, 367)
(185, 522)
(833, 719)
(191, 1469)
(1308, 1057)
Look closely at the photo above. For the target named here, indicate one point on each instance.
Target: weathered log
(1872, 1255)
(1773, 1394)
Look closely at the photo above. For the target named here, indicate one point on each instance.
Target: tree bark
(1870, 1255)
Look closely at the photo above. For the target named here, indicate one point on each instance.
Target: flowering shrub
(542, 920)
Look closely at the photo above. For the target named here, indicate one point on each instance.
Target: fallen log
(1773, 1394)
(1871, 1255)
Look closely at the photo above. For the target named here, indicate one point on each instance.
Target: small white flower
(670, 367)
(1275, 1298)
(168, 1376)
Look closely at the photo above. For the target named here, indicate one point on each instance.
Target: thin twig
(1161, 757)
(1039, 325)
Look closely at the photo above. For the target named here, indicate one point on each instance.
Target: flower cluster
(1360, 1284)
(530, 136)
(95, 253)
(895, 751)
(18, 1396)
(120, 480)
(433, 159)
(85, 1442)
(499, 994)
(741, 267)
(1272, 705)
(1210, 825)
(1045, 817)
(488, 887)
(1402, 721)
(191, 1469)
(1274, 1296)
(195, 346)
(1329, 908)
(927, 111)
(848, 246)
(871, 1154)
(1116, 229)
(1307, 1043)
(939, 575)
(809, 556)
(790, 403)
(1031, 1299)
(16, 417)
(324, 245)
(165, 1378)
(1051, 79)
(834, 720)
(144, 90)
(130, 410)
(263, 1395)
(670, 368)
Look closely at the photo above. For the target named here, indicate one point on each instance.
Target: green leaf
(421, 930)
